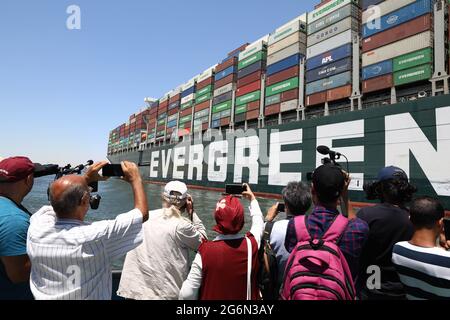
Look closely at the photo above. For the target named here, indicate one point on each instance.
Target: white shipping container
(285, 53)
(188, 98)
(188, 84)
(330, 44)
(226, 88)
(206, 74)
(165, 97)
(175, 92)
(173, 117)
(411, 44)
(289, 105)
(286, 42)
(280, 34)
(251, 49)
(333, 30)
(327, 9)
(383, 8)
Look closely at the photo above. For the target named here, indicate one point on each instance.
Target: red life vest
(224, 269)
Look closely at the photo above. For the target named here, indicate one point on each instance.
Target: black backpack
(268, 267)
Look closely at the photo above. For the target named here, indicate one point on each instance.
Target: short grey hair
(69, 200)
(297, 198)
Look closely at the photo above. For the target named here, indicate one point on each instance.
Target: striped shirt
(71, 260)
(424, 272)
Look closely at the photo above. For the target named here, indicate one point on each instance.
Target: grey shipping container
(336, 81)
(329, 70)
(335, 29)
(224, 97)
(251, 68)
(345, 12)
(286, 53)
(330, 44)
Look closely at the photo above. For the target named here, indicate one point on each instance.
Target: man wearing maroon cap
(16, 181)
(226, 268)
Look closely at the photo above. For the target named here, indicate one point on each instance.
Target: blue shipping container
(329, 70)
(187, 92)
(172, 124)
(377, 69)
(284, 64)
(329, 57)
(215, 124)
(398, 17)
(336, 81)
(225, 73)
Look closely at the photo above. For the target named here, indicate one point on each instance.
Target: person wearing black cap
(389, 224)
(329, 184)
(16, 181)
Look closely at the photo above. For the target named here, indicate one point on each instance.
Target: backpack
(268, 267)
(317, 269)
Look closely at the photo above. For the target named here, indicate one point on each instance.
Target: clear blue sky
(62, 91)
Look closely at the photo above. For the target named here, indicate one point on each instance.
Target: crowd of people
(322, 249)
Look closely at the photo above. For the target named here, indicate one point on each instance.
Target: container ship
(367, 78)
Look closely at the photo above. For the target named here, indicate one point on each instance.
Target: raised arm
(257, 227)
(132, 176)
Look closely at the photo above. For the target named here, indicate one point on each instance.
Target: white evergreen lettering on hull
(404, 137)
(278, 157)
(221, 161)
(251, 161)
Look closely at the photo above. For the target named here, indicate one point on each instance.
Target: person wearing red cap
(226, 268)
(16, 181)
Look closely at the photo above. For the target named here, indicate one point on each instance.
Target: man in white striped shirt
(71, 259)
(423, 267)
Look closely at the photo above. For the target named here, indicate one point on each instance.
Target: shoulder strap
(268, 231)
(249, 267)
(337, 229)
(301, 230)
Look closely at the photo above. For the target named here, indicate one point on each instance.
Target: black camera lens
(94, 201)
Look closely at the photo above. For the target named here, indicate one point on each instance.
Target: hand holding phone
(235, 189)
(281, 207)
(112, 170)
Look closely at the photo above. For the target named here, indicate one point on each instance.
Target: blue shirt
(14, 224)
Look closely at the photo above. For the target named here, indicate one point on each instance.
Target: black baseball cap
(329, 181)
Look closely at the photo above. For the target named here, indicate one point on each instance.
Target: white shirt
(71, 260)
(191, 286)
(156, 269)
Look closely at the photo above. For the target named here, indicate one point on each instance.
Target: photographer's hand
(272, 213)
(249, 193)
(133, 177)
(190, 207)
(92, 174)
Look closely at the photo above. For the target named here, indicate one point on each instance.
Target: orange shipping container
(339, 93)
(252, 115)
(316, 98)
(273, 109)
(378, 83)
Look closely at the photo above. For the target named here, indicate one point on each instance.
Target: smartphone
(234, 189)
(112, 170)
(447, 228)
(281, 207)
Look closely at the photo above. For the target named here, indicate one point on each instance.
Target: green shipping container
(185, 119)
(203, 91)
(240, 109)
(252, 59)
(222, 106)
(203, 98)
(282, 86)
(253, 96)
(413, 59)
(187, 105)
(161, 122)
(412, 75)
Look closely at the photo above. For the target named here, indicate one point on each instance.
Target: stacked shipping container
(251, 67)
(287, 47)
(397, 43)
(331, 30)
(203, 100)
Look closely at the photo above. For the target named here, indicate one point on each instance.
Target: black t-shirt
(388, 225)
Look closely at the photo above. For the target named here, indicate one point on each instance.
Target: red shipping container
(398, 33)
(161, 127)
(253, 106)
(226, 64)
(283, 75)
(273, 109)
(187, 125)
(225, 121)
(229, 79)
(248, 88)
(255, 76)
(252, 115)
(169, 131)
(316, 98)
(378, 83)
(205, 126)
(186, 112)
(175, 98)
(164, 104)
(202, 106)
(241, 48)
(289, 95)
(205, 83)
(339, 93)
(173, 111)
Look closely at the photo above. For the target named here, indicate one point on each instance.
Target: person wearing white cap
(157, 268)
